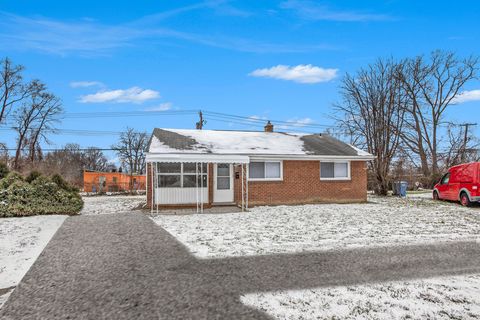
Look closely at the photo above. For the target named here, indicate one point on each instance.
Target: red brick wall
(301, 184)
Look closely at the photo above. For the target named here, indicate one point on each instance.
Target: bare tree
(94, 159)
(373, 107)
(34, 119)
(131, 149)
(12, 88)
(66, 162)
(460, 147)
(432, 85)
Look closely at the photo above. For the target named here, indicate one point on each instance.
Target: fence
(113, 187)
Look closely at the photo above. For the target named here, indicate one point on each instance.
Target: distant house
(98, 182)
(204, 168)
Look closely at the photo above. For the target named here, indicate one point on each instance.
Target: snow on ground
(427, 194)
(21, 242)
(438, 298)
(382, 221)
(111, 204)
(289, 229)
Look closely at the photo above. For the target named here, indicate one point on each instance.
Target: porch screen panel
(169, 175)
(181, 175)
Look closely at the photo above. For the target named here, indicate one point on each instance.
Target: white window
(334, 170)
(265, 170)
(181, 175)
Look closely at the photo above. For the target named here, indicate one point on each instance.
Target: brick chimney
(268, 127)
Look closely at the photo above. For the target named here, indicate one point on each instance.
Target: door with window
(443, 187)
(223, 183)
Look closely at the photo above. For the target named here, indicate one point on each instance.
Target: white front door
(223, 183)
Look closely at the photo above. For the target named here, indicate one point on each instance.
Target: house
(98, 181)
(204, 168)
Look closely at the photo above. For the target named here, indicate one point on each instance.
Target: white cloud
(309, 10)
(131, 95)
(467, 96)
(296, 122)
(300, 122)
(86, 84)
(161, 107)
(303, 73)
(255, 117)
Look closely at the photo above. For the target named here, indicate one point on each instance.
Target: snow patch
(111, 204)
(455, 297)
(21, 242)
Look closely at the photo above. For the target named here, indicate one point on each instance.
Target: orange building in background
(96, 181)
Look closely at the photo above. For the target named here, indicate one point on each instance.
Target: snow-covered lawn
(438, 298)
(381, 222)
(111, 204)
(21, 242)
(289, 229)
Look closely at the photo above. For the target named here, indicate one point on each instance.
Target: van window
(445, 179)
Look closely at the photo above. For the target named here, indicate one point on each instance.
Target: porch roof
(200, 158)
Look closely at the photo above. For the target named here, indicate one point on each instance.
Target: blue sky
(238, 57)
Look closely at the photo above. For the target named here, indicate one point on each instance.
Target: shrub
(9, 179)
(3, 170)
(32, 176)
(63, 184)
(37, 195)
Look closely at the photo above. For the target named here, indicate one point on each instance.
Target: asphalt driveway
(124, 266)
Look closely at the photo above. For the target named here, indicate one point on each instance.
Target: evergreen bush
(36, 195)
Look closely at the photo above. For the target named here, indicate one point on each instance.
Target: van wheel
(435, 195)
(464, 200)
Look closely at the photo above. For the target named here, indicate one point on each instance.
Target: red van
(460, 183)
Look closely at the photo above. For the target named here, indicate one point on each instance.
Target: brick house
(99, 181)
(203, 168)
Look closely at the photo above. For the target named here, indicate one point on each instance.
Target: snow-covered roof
(184, 141)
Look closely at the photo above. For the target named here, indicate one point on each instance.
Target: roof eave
(152, 155)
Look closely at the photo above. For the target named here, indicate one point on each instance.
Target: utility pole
(199, 125)
(465, 139)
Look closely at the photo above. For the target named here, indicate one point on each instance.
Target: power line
(65, 149)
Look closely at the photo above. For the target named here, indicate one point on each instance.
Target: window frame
(182, 174)
(444, 177)
(265, 170)
(349, 171)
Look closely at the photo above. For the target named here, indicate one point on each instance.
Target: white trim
(223, 195)
(268, 179)
(347, 178)
(200, 158)
(311, 157)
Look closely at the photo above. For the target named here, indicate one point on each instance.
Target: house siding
(301, 184)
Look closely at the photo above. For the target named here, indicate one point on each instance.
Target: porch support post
(201, 187)
(196, 183)
(243, 191)
(155, 170)
(153, 186)
(246, 182)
